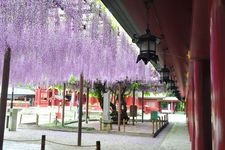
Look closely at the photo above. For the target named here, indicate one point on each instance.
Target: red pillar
(202, 105)
(217, 56)
(200, 49)
(38, 97)
(53, 97)
(171, 106)
(192, 112)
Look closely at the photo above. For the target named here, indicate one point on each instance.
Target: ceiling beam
(119, 12)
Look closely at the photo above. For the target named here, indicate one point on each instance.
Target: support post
(161, 121)
(167, 118)
(171, 107)
(142, 106)
(123, 125)
(4, 93)
(200, 67)
(160, 125)
(98, 145)
(153, 126)
(164, 120)
(11, 105)
(43, 137)
(156, 125)
(202, 104)
(133, 105)
(80, 110)
(87, 103)
(7, 121)
(64, 102)
(192, 114)
(100, 121)
(37, 119)
(217, 55)
(119, 109)
(21, 116)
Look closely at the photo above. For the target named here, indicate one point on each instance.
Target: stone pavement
(173, 137)
(177, 138)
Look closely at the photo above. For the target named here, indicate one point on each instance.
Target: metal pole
(142, 105)
(4, 92)
(119, 109)
(133, 105)
(80, 110)
(87, 102)
(11, 106)
(43, 137)
(64, 102)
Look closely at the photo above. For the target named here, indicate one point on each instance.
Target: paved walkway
(177, 138)
(173, 137)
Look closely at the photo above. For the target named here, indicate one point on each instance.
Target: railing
(159, 124)
(43, 142)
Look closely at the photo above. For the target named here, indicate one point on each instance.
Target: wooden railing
(159, 124)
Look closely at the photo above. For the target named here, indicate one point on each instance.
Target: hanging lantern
(147, 43)
(171, 85)
(164, 75)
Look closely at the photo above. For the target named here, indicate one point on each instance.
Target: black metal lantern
(164, 75)
(172, 86)
(170, 83)
(147, 43)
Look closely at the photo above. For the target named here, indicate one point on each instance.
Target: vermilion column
(191, 117)
(217, 56)
(202, 105)
(200, 50)
(171, 106)
(188, 113)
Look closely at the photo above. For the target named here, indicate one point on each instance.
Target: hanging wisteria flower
(52, 39)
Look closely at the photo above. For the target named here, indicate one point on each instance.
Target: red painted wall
(149, 104)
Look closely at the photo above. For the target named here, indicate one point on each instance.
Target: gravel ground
(173, 137)
(108, 141)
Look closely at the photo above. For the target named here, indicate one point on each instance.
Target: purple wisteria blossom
(51, 40)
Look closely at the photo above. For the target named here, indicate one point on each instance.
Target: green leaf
(72, 79)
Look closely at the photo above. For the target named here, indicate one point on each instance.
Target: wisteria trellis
(50, 40)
